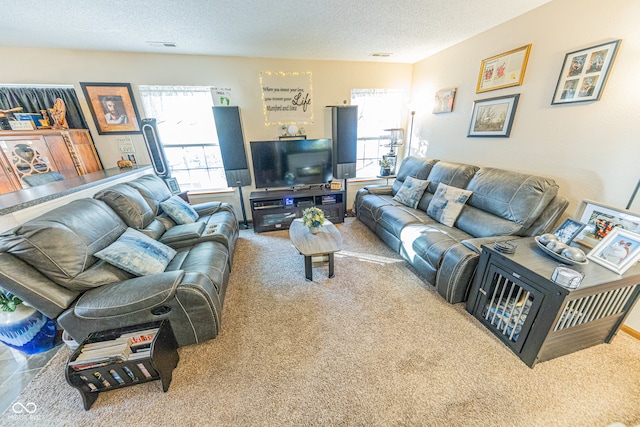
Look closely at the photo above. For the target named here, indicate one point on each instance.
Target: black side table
(158, 365)
(514, 297)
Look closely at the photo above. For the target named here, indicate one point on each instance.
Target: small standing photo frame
(601, 219)
(618, 252)
(584, 73)
(173, 185)
(568, 230)
(113, 107)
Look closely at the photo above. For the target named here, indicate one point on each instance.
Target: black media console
(275, 210)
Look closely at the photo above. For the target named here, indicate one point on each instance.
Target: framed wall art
(504, 70)
(601, 219)
(618, 252)
(113, 107)
(444, 101)
(584, 73)
(493, 117)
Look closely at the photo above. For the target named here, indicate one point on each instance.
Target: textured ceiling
(351, 30)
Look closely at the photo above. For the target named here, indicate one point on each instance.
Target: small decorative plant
(385, 163)
(8, 301)
(313, 217)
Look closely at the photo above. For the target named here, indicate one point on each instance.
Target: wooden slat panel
(577, 338)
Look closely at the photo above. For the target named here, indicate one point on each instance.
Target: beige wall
(332, 83)
(591, 149)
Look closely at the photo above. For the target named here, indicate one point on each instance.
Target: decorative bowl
(558, 256)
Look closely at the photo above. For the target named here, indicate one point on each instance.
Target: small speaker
(231, 139)
(344, 135)
(155, 149)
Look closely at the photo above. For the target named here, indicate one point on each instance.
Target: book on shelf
(129, 346)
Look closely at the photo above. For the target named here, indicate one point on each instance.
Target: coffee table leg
(331, 274)
(308, 272)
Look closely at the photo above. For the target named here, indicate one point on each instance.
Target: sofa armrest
(476, 244)
(182, 232)
(379, 189)
(545, 222)
(24, 281)
(209, 208)
(128, 296)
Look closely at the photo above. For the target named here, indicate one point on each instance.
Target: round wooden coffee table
(326, 242)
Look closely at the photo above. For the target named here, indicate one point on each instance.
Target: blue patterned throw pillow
(447, 204)
(137, 253)
(179, 210)
(411, 191)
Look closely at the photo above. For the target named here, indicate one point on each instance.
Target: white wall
(591, 149)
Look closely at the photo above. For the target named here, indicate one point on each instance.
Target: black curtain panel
(34, 99)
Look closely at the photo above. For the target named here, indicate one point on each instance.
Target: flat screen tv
(291, 162)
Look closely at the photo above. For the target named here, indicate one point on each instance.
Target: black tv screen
(291, 162)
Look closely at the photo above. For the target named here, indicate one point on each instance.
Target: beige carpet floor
(372, 346)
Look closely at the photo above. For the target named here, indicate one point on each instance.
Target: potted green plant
(313, 218)
(8, 302)
(23, 327)
(385, 166)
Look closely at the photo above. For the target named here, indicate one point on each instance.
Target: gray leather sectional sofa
(500, 204)
(51, 263)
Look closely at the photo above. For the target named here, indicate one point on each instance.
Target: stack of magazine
(130, 346)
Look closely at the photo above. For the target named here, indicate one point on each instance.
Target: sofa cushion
(153, 189)
(411, 191)
(209, 259)
(179, 210)
(138, 254)
(514, 196)
(394, 218)
(60, 244)
(417, 167)
(128, 204)
(447, 203)
(452, 174)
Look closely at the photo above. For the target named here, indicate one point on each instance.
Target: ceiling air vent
(381, 54)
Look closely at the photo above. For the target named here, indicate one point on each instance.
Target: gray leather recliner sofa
(49, 262)
(502, 204)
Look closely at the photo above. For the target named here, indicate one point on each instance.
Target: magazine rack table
(159, 365)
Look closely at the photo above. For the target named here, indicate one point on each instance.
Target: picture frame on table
(113, 107)
(504, 70)
(618, 252)
(493, 117)
(568, 230)
(173, 185)
(600, 219)
(584, 73)
(444, 100)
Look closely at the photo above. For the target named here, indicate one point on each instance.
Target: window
(184, 119)
(378, 109)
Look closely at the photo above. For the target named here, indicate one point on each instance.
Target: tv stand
(276, 209)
